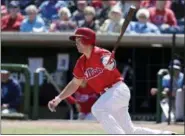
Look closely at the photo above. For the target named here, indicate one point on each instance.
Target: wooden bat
(128, 18)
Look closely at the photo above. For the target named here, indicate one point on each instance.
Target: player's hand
(53, 104)
(108, 62)
(153, 91)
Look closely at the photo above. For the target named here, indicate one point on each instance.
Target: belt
(115, 84)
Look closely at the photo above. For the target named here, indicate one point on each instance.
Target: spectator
(24, 4)
(12, 21)
(143, 25)
(152, 3)
(78, 15)
(177, 92)
(10, 93)
(124, 5)
(49, 9)
(64, 23)
(72, 6)
(161, 16)
(177, 7)
(84, 98)
(98, 6)
(106, 7)
(90, 19)
(3, 10)
(114, 23)
(33, 22)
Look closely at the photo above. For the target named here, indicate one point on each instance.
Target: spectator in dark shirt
(178, 8)
(90, 19)
(12, 21)
(78, 15)
(49, 9)
(10, 93)
(106, 5)
(64, 24)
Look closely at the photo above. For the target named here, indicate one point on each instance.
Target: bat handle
(112, 56)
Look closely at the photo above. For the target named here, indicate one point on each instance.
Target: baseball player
(84, 97)
(111, 109)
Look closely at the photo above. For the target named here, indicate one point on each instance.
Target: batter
(111, 109)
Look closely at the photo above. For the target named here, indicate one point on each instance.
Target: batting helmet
(87, 36)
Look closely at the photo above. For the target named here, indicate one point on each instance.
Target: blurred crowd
(152, 16)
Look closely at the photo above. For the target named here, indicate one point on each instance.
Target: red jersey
(85, 97)
(93, 71)
(11, 24)
(159, 17)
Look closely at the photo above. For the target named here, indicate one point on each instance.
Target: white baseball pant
(83, 116)
(179, 104)
(111, 110)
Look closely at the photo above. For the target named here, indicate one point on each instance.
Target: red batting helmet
(87, 35)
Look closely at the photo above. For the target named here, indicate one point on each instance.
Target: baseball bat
(126, 22)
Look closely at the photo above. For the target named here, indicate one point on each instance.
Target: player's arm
(71, 87)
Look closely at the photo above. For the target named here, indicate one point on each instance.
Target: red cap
(88, 35)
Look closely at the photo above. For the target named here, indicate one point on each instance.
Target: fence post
(25, 70)
(35, 97)
(160, 74)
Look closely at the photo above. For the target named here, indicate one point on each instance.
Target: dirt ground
(70, 126)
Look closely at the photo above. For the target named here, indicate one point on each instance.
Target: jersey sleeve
(78, 70)
(165, 82)
(71, 100)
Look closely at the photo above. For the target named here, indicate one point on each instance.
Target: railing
(36, 93)
(24, 39)
(160, 75)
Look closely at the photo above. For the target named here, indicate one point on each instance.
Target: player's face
(79, 45)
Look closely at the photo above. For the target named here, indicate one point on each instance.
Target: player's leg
(112, 100)
(81, 116)
(179, 104)
(90, 116)
(123, 118)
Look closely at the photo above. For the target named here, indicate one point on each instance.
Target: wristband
(58, 99)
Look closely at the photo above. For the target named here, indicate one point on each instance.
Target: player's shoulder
(99, 50)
